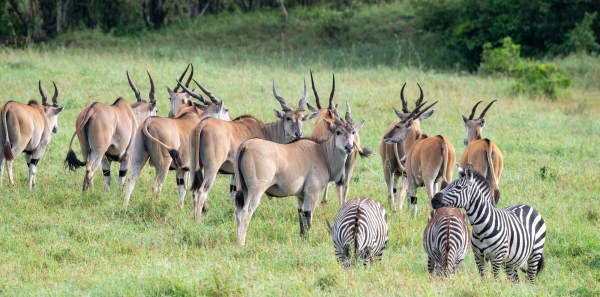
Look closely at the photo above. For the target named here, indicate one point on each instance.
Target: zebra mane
(480, 179)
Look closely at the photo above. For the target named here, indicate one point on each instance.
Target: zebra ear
(469, 172)
(461, 172)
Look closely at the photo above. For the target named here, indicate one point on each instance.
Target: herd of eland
(199, 140)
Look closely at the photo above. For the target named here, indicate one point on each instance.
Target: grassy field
(54, 240)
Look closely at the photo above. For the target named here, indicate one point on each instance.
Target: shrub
(530, 77)
(500, 60)
(534, 78)
(582, 37)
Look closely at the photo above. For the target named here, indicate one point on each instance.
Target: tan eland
(301, 168)
(165, 141)
(27, 128)
(485, 156)
(321, 133)
(214, 143)
(428, 159)
(105, 133)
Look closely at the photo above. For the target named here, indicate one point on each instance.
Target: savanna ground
(54, 240)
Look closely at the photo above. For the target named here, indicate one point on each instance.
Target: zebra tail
(541, 264)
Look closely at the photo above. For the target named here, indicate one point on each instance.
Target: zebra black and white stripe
(512, 237)
(446, 240)
(360, 230)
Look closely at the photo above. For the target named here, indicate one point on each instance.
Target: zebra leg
(106, 173)
(481, 265)
(512, 274)
(534, 263)
(496, 264)
(430, 264)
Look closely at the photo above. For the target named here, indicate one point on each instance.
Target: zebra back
(360, 229)
(446, 240)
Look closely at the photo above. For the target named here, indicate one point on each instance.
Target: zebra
(510, 237)
(446, 240)
(360, 229)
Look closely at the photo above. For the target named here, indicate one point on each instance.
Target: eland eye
(338, 132)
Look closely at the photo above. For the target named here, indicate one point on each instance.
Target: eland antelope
(482, 153)
(105, 134)
(165, 141)
(27, 128)
(301, 168)
(214, 143)
(177, 99)
(321, 133)
(428, 159)
(392, 154)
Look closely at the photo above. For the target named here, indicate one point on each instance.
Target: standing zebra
(446, 240)
(510, 237)
(360, 229)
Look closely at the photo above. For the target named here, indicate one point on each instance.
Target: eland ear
(482, 123)
(426, 115)
(311, 115)
(170, 91)
(329, 126)
(59, 110)
(465, 120)
(360, 125)
(278, 113)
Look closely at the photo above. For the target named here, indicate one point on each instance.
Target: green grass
(54, 240)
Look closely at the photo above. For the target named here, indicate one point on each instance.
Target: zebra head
(456, 193)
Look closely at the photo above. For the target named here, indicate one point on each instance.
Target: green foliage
(535, 77)
(501, 59)
(582, 37)
(530, 77)
(467, 25)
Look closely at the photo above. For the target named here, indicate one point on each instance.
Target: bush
(582, 37)
(500, 60)
(534, 78)
(530, 77)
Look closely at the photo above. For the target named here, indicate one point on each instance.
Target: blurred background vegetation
(439, 34)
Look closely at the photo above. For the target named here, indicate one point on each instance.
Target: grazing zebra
(510, 237)
(446, 240)
(360, 229)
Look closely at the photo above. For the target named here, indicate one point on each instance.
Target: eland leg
(243, 213)
(106, 173)
(32, 161)
(413, 200)
(324, 199)
(401, 195)
(94, 161)
(137, 163)
(232, 188)
(181, 178)
(123, 172)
